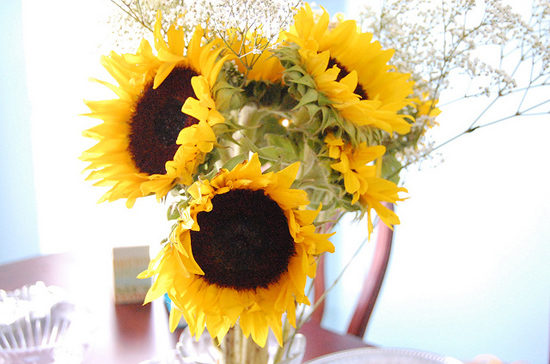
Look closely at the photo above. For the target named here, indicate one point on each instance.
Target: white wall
(18, 218)
(62, 39)
(469, 272)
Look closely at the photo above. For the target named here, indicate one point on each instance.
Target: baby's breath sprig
(250, 27)
(247, 27)
(439, 41)
(135, 20)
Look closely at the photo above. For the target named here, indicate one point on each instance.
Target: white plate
(383, 356)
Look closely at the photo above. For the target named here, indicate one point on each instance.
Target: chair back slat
(372, 282)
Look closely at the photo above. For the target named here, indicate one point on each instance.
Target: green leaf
(271, 153)
(293, 74)
(227, 96)
(284, 145)
(390, 168)
(312, 109)
(306, 80)
(230, 164)
(324, 100)
(300, 89)
(173, 213)
(310, 96)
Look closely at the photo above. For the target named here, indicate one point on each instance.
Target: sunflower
(361, 178)
(138, 152)
(352, 71)
(241, 251)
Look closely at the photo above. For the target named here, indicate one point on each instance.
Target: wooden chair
(372, 283)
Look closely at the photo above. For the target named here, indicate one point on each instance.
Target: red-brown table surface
(130, 333)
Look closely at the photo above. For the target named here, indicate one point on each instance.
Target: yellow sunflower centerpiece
(264, 126)
(242, 251)
(138, 150)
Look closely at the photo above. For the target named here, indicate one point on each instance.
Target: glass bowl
(39, 325)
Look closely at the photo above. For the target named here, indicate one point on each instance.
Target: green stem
(236, 349)
(231, 346)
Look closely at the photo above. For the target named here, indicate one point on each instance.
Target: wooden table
(129, 333)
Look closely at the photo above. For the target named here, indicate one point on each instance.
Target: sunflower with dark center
(140, 150)
(352, 71)
(236, 248)
(157, 121)
(242, 250)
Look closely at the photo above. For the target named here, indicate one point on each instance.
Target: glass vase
(205, 351)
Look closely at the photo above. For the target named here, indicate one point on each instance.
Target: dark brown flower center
(157, 121)
(359, 90)
(244, 243)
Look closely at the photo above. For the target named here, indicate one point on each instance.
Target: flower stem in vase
(237, 349)
(253, 353)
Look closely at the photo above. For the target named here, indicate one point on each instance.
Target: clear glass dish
(39, 325)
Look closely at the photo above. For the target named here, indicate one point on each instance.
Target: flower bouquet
(259, 124)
